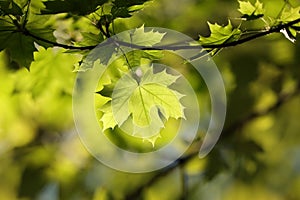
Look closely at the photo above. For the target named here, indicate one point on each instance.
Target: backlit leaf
(143, 38)
(145, 103)
(250, 11)
(288, 15)
(221, 34)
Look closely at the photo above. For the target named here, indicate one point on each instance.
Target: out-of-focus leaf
(90, 39)
(134, 57)
(9, 7)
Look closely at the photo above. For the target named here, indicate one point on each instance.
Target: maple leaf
(144, 103)
(250, 11)
(141, 37)
(221, 34)
(288, 15)
(147, 96)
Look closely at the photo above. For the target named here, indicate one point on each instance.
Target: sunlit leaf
(143, 38)
(288, 15)
(146, 101)
(221, 34)
(250, 11)
(149, 95)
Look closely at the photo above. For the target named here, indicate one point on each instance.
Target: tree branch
(274, 29)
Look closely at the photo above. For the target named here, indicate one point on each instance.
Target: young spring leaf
(146, 101)
(250, 11)
(142, 38)
(288, 15)
(146, 96)
(221, 34)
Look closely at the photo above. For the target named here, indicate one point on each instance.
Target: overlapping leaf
(134, 57)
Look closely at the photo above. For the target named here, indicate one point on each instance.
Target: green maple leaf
(141, 37)
(288, 15)
(145, 103)
(250, 11)
(147, 96)
(221, 34)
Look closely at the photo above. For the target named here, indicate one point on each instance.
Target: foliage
(44, 44)
(251, 12)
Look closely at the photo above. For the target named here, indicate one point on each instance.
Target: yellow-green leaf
(221, 34)
(250, 11)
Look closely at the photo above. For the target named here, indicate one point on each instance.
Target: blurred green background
(257, 156)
